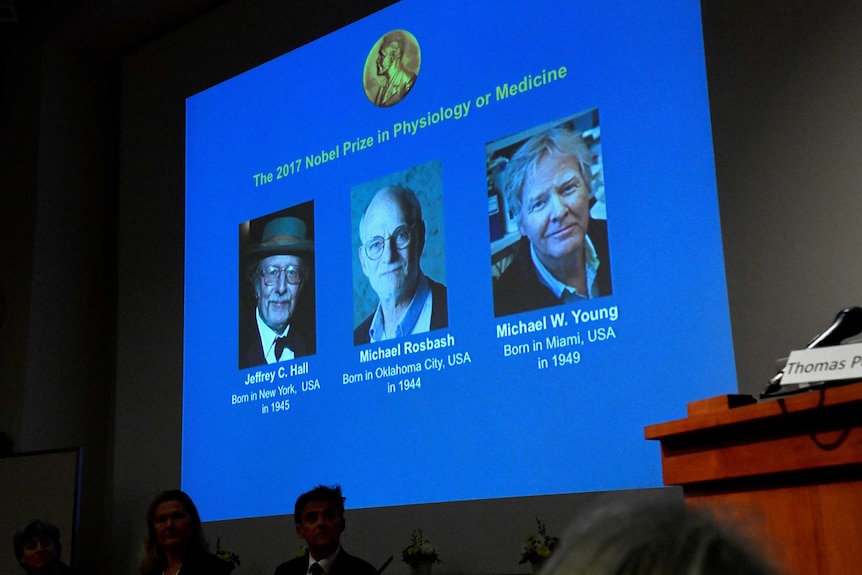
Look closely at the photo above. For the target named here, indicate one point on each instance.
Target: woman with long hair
(175, 542)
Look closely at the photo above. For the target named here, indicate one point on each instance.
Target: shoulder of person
(436, 287)
(360, 333)
(295, 565)
(205, 562)
(346, 563)
(66, 570)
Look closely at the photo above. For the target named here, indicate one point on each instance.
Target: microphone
(385, 564)
(847, 323)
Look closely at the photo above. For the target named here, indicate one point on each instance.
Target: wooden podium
(793, 466)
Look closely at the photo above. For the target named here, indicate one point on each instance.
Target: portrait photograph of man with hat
(276, 319)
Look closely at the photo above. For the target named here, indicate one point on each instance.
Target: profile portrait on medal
(399, 264)
(391, 68)
(548, 216)
(276, 291)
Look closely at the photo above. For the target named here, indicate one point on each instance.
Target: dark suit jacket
(520, 288)
(200, 562)
(250, 348)
(344, 564)
(439, 314)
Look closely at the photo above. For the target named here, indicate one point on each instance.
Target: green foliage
(538, 547)
(419, 550)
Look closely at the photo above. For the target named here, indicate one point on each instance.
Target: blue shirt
(567, 292)
(417, 318)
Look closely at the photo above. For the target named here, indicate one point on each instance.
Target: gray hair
(667, 539)
(561, 141)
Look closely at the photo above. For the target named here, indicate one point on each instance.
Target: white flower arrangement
(419, 550)
(537, 548)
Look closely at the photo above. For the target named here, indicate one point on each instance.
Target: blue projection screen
(490, 386)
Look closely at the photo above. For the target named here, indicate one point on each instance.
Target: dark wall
(58, 235)
(784, 88)
(92, 246)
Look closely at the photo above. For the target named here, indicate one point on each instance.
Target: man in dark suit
(563, 253)
(319, 518)
(392, 233)
(278, 269)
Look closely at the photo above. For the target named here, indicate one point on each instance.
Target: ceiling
(115, 27)
(109, 27)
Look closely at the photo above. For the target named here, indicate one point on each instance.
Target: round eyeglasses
(401, 238)
(292, 274)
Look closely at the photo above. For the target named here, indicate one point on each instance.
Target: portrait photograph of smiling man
(554, 249)
(277, 303)
(399, 271)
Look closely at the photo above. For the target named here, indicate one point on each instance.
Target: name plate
(824, 364)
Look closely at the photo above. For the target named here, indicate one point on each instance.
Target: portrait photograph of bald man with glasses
(276, 320)
(399, 271)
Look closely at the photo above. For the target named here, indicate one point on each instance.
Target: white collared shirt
(417, 318)
(267, 340)
(558, 287)
(326, 562)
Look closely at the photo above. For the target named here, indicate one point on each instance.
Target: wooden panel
(682, 465)
(789, 469)
(809, 529)
(762, 411)
(718, 404)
